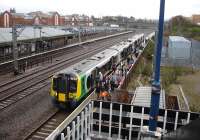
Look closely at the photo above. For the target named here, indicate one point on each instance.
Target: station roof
(142, 97)
(29, 33)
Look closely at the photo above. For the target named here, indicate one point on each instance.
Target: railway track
(20, 88)
(17, 97)
(38, 58)
(2, 85)
(47, 126)
(54, 120)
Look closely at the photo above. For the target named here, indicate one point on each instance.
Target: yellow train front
(66, 89)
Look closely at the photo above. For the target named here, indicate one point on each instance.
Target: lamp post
(15, 50)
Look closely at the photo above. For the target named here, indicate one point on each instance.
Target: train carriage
(123, 48)
(74, 83)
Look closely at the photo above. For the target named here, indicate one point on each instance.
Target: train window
(122, 54)
(73, 85)
(60, 85)
(6, 50)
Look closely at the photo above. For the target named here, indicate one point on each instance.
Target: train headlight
(72, 95)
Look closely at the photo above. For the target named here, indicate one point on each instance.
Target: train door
(94, 74)
(114, 60)
(89, 82)
(83, 89)
(67, 83)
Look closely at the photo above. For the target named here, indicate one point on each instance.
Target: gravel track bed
(17, 120)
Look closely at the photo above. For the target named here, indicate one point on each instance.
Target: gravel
(19, 119)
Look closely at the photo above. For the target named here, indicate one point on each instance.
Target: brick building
(50, 18)
(196, 19)
(8, 18)
(76, 20)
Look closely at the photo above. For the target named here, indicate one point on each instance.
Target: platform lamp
(16, 33)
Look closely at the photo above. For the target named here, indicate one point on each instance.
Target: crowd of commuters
(105, 84)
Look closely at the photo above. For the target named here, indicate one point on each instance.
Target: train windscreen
(60, 84)
(65, 84)
(73, 84)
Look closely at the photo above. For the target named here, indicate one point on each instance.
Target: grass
(191, 88)
(169, 75)
(189, 79)
(133, 83)
(145, 80)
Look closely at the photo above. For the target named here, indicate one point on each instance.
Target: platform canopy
(29, 33)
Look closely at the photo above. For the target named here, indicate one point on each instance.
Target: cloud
(137, 8)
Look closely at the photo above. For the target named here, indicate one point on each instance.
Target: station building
(9, 18)
(196, 19)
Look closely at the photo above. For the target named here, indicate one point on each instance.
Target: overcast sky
(137, 8)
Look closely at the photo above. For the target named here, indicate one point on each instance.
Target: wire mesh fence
(193, 61)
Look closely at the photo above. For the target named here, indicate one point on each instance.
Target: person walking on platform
(128, 60)
(98, 90)
(100, 76)
(122, 69)
(112, 81)
(114, 67)
(106, 85)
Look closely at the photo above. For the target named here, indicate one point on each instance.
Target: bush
(147, 71)
(170, 76)
(149, 51)
(140, 67)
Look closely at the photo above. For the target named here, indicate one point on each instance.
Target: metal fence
(106, 120)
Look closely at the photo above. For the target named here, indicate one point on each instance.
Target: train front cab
(65, 88)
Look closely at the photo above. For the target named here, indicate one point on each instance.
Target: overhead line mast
(156, 89)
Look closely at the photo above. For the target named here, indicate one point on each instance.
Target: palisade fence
(108, 120)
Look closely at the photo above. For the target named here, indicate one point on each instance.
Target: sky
(148, 9)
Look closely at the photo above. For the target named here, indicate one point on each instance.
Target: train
(71, 85)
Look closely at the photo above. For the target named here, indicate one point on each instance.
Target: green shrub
(149, 51)
(147, 71)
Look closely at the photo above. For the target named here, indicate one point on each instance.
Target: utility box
(179, 48)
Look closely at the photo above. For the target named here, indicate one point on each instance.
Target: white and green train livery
(75, 82)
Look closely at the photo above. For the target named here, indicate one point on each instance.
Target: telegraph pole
(156, 89)
(15, 50)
